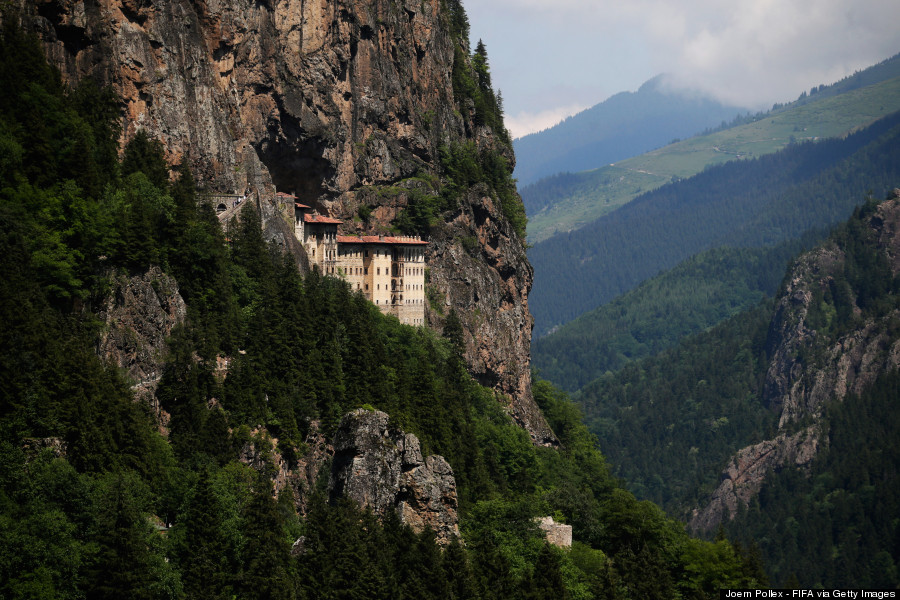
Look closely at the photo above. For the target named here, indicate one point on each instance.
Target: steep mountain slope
(832, 334)
(742, 203)
(695, 295)
(622, 126)
(249, 477)
(776, 376)
(330, 101)
(566, 202)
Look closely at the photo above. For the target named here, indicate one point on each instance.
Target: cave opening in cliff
(299, 168)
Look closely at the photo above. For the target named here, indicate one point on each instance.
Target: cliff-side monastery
(388, 270)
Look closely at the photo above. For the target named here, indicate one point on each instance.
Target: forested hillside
(743, 203)
(568, 201)
(835, 524)
(693, 296)
(670, 422)
(622, 126)
(102, 497)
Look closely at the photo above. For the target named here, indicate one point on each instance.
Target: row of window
(407, 301)
(365, 253)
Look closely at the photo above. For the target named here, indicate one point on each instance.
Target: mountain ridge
(623, 125)
(567, 201)
(774, 201)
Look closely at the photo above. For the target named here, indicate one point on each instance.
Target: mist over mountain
(624, 125)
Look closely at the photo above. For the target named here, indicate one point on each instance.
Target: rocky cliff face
(372, 463)
(810, 366)
(383, 469)
(139, 315)
(324, 99)
(746, 473)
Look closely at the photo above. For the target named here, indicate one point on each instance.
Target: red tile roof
(283, 195)
(321, 219)
(298, 205)
(377, 239)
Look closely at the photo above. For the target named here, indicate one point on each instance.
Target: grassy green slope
(754, 203)
(591, 194)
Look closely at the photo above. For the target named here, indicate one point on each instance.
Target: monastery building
(389, 271)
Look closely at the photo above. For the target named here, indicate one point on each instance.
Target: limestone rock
(34, 447)
(139, 315)
(323, 99)
(383, 469)
(485, 277)
(261, 453)
(746, 473)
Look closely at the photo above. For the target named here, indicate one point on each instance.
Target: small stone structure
(557, 534)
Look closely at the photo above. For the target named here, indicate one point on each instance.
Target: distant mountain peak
(624, 125)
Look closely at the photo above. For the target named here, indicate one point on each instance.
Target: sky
(554, 58)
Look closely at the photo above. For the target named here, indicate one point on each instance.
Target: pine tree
(267, 572)
(205, 573)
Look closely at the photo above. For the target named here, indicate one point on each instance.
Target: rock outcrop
(325, 99)
(809, 366)
(383, 469)
(261, 453)
(139, 315)
(746, 473)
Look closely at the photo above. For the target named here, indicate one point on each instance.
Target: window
(366, 271)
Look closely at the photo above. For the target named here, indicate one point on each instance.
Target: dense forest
(693, 296)
(755, 203)
(88, 485)
(669, 423)
(836, 524)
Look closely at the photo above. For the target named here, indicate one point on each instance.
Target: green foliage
(464, 166)
(750, 204)
(90, 518)
(697, 294)
(472, 87)
(422, 211)
(810, 525)
(145, 155)
(668, 422)
(836, 525)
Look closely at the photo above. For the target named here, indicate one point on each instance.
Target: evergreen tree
(146, 155)
(129, 562)
(205, 572)
(267, 572)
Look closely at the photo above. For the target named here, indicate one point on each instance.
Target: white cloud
(753, 52)
(525, 122)
(762, 51)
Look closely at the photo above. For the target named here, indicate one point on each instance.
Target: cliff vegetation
(806, 381)
(104, 494)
